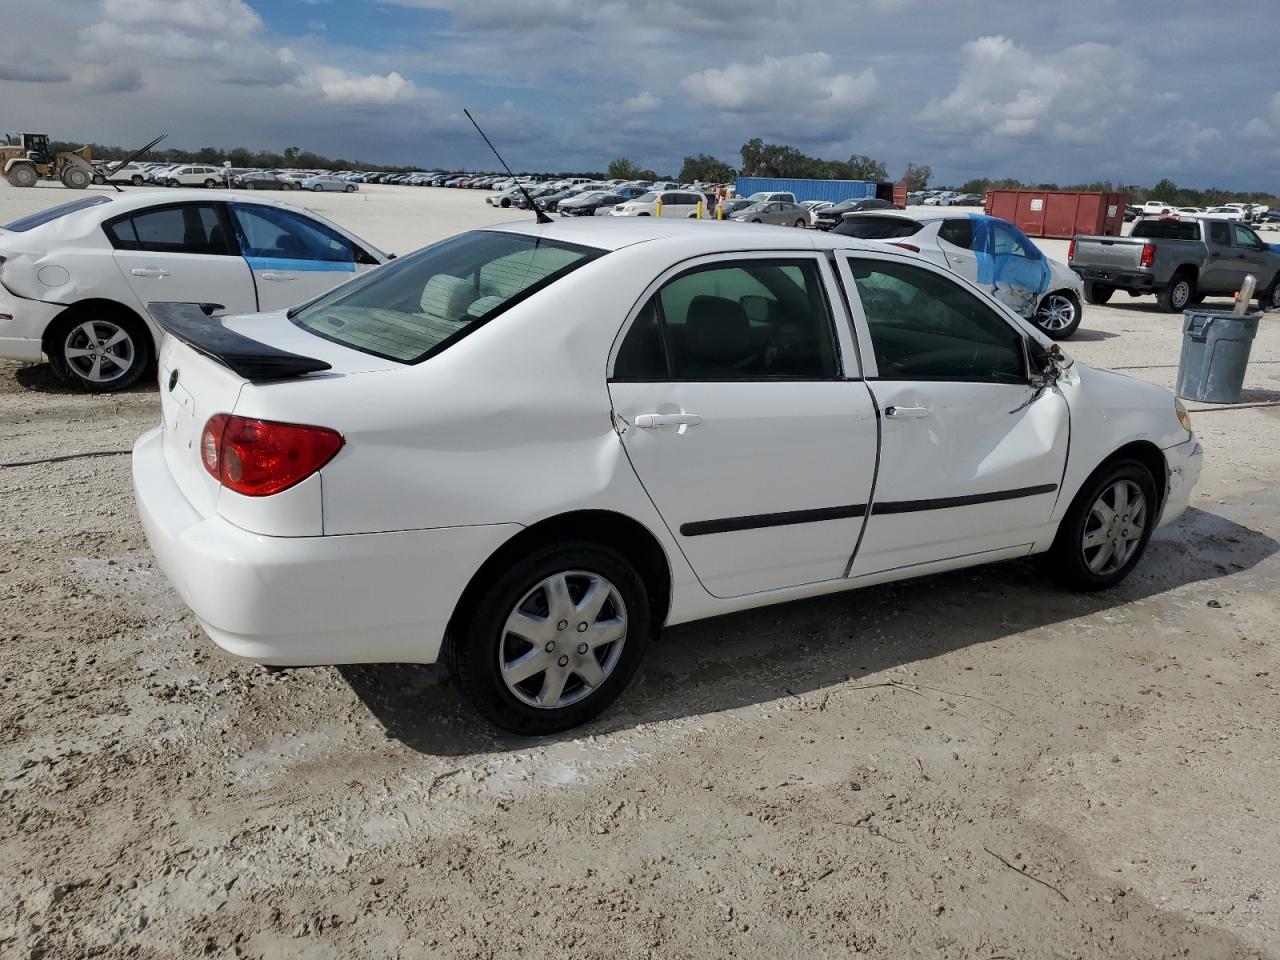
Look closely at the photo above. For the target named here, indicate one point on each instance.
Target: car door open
(971, 452)
(736, 398)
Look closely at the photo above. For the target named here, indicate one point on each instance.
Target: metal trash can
(1215, 352)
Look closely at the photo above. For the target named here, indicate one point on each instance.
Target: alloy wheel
(1115, 526)
(563, 639)
(99, 351)
(1056, 313)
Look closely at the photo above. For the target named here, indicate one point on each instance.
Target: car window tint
(926, 327)
(642, 354)
(1245, 237)
(957, 232)
(749, 320)
(413, 307)
(1166, 230)
(1008, 244)
(1220, 233)
(877, 228)
(32, 220)
(276, 234)
(189, 228)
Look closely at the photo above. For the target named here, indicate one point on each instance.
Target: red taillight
(1148, 254)
(908, 246)
(260, 457)
(1071, 250)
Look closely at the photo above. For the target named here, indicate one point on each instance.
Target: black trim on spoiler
(194, 325)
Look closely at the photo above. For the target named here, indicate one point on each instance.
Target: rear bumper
(1126, 279)
(22, 337)
(302, 601)
(1185, 462)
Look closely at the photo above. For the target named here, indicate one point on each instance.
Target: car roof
(614, 233)
(923, 215)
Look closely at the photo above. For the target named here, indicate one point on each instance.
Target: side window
(957, 232)
(1246, 238)
(1219, 233)
(1009, 243)
(926, 327)
(189, 228)
(276, 234)
(746, 320)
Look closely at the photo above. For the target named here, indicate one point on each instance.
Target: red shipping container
(1059, 213)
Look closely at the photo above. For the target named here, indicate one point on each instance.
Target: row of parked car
(206, 175)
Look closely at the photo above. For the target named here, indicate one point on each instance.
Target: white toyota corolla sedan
(527, 448)
(75, 279)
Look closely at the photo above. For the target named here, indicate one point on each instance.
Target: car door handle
(648, 421)
(154, 273)
(273, 275)
(906, 413)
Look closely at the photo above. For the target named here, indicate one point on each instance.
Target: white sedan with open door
(526, 449)
(75, 279)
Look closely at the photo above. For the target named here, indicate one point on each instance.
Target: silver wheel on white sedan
(1056, 313)
(1115, 527)
(563, 639)
(99, 352)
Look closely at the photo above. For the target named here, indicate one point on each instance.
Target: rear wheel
(99, 349)
(1177, 296)
(349, 188)
(76, 178)
(249, 185)
(1097, 293)
(1059, 314)
(1107, 528)
(210, 183)
(798, 223)
(22, 175)
(552, 641)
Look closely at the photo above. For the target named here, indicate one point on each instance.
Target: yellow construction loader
(25, 159)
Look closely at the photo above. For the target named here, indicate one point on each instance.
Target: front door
(971, 454)
(1223, 271)
(182, 252)
(293, 258)
(735, 394)
(1254, 256)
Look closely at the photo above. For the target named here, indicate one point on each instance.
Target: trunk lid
(1120, 252)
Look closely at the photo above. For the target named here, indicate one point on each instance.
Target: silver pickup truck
(1181, 260)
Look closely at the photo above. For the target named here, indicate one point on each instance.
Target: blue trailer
(832, 190)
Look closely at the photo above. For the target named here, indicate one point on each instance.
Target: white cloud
(642, 102)
(1268, 127)
(804, 83)
(1008, 91)
(223, 17)
(341, 86)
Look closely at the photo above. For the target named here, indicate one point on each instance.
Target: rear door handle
(273, 275)
(154, 273)
(648, 421)
(906, 413)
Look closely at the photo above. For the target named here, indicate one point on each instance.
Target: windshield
(649, 197)
(417, 306)
(33, 220)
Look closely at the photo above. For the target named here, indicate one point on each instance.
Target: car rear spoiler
(195, 325)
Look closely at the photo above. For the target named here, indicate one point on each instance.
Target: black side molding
(194, 325)
(914, 506)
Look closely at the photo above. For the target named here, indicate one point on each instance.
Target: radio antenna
(537, 210)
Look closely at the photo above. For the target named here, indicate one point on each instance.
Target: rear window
(415, 307)
(33, 220)
(877, 228)
(1166, 229)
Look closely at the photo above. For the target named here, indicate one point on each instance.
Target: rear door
(182, 252)
(292, 256)
(740, 405)
(971, 454)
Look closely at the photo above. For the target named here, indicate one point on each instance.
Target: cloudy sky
(1064, 91)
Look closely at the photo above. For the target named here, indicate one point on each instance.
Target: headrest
(715, 328)
(445, 297)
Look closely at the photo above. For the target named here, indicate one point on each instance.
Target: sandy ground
(973, 765)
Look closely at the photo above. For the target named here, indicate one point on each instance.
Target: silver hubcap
(99, 351)
(1115, 527)
(563, 639)
(1181, 293)
(1056, 313)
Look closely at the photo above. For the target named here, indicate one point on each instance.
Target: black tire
(799, 223)
(248, 185)
(210, 183)
(505, 202)
(136, 180)
(68, 370)
(1197, 299)
(76, 178)
(291, 186)
(23, 175)
(349, 188)
(1269, 298)
(1097, 293)
(477, 643)
(757, 220)
(1059, 306)
(1178, 295)
(1066, 560)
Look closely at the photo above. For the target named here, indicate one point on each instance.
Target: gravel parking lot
(973, 765)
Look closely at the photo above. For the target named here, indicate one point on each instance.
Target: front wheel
(1177, 296)
(1107, 528)
(99, 352)
(349, 188)
(552, 641)
(76, 178)
(1269, 299)
(1059, 314)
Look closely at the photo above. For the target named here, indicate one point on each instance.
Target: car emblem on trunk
(173, 380)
